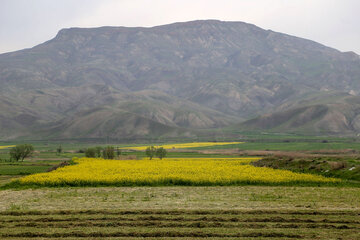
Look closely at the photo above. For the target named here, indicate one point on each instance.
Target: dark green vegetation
(181, 81)
(189, 224)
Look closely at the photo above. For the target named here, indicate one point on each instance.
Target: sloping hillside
(199, 74)
(332, 115)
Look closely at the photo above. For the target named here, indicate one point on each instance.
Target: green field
(253, 141)
(290, 146)
(22, 169)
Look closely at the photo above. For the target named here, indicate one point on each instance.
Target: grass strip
(175, 182)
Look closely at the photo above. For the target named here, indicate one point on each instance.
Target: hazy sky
(26, 23)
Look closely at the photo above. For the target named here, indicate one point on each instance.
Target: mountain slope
(109, 123)
(332, 115)
(199, 74)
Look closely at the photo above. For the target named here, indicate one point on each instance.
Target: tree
(108, 152)
(118, 151)
(150, 152)
(93, 152)
(161, 153)
(59, 150)
(90, 152)
(21, 151)
(98, 151)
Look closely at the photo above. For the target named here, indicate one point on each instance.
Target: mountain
(173, 79)
(333, 114)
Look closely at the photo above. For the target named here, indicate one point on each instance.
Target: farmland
(96, 207)
(181, 224)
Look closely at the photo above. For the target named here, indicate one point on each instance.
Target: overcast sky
(335, 23)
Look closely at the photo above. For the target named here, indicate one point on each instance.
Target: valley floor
(183, 212)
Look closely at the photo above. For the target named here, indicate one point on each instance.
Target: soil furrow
(182, 225)
(180, 219)
(180, 212)
(148, 234)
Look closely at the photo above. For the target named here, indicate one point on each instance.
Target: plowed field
(184, 224)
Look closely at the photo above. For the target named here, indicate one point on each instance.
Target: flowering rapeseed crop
(177, 171)
(186, 145)
(9, 146)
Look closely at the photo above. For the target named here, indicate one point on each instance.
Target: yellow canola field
(179, 171)
(9, 146)
(185, 145)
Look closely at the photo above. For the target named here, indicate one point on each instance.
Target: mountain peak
(119, 29)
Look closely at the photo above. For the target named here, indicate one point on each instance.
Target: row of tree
(22, 151)
(153, 151)
(108, 152)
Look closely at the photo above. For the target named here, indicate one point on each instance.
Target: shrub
(337, 165)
